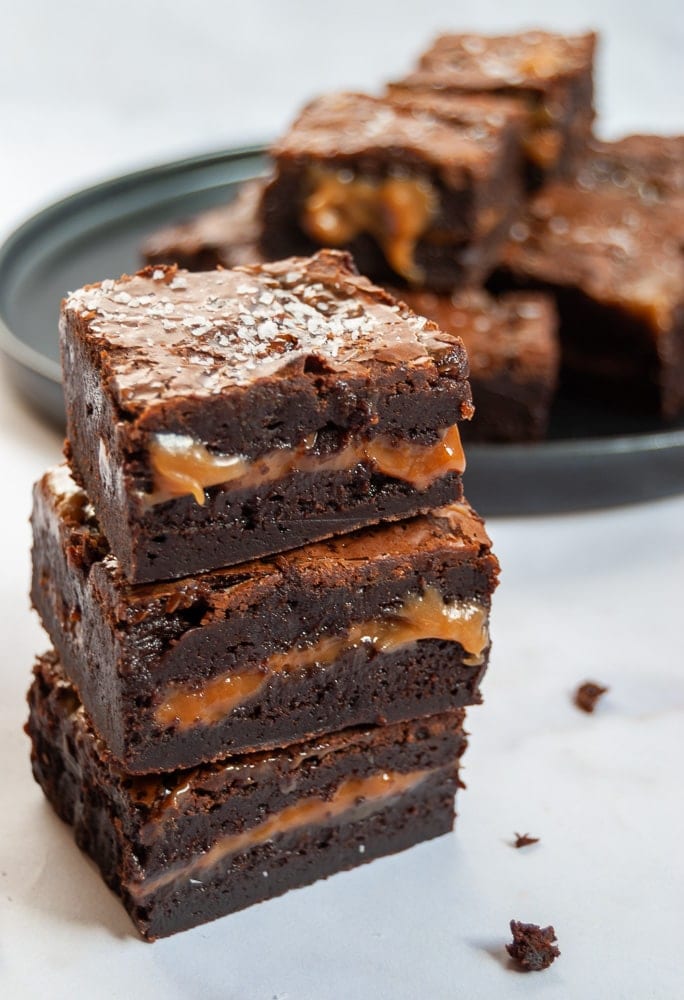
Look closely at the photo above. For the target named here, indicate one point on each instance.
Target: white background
(92, 89)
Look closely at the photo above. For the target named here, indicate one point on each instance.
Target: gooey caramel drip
(355, 799)
(183, 466)
(395, 211)
(421, 616)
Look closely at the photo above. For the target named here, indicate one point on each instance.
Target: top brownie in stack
(418, 195)
(222, 416)
(549, 75)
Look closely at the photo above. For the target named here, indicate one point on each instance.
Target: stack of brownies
(478, 170)
(267, 596)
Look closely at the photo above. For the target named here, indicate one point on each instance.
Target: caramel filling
(355, 799)
(395, 211)
(421, 616)
(182, 465)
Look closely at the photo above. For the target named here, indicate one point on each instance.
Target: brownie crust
(194, 845)
(130, 648)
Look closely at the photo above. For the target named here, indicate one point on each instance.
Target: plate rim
(14, 348)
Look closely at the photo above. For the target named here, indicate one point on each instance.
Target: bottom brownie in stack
(189, 846)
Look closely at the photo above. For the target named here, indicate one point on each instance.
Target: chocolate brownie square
(608, 245)
(225, 236)
(223, 416)
(514, 357)
(187, 847)
(387, 623)
(549, 75)
(416, 196)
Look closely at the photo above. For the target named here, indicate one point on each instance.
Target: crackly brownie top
(529, 59)
(343, 125)
(231, 231)
(514, 333)
(480, 117)
(164, 333)
(609, 233)
(650, 167)
(456, 528)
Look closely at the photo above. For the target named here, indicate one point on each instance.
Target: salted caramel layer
(354, 800)
(395, 211)
(421, 616)
(182, 465)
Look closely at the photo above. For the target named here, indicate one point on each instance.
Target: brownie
(513, 354)
(549, 75)
(193, 845)
(608, 247)
(225, 236)
(384, 624)
(217, 417)
(416, 196)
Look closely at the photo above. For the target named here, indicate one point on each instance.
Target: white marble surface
(88, 90)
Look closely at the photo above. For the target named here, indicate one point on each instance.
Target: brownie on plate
(549, 75)
(417, 195)
(513, 354)
(387, 623)
(608, 245)
(189, 846)
(227, 415)
(225, 236)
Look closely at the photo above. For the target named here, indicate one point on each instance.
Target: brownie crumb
(588, 694)
(524, 840)
(533, 947)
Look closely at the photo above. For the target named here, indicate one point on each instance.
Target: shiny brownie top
(514, 332)
(164, 333)
(336, 126)
(528, 59)
(650, 167)
(481, 117)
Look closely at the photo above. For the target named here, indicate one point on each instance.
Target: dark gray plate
(592, 458)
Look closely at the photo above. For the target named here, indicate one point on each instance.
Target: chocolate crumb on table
(524, 840)
(588, 694)
(533, 947)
